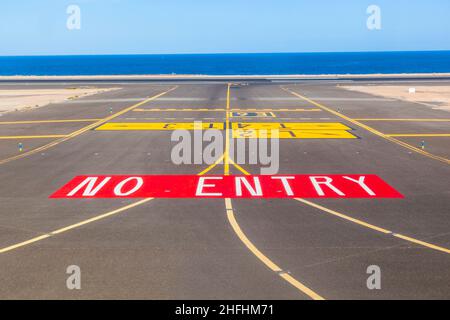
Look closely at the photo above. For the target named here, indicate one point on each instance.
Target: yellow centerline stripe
(373, 227)
(422, 243)
(212, 166)
(343, 216)
(418, 135)
(33, 137)
(370, 129)
(84, 129)
(73, 226)
(412, 120)
(227, 134)
(237, 229)
(238, 167)
(48, 121)
(264, 259)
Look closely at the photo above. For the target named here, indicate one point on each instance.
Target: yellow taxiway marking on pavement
(226, 167)
(219, 160)
(412, 120)
(84, 129)
(238, 166)
(278, 109)
(131, 126)
(73, 226)
(237, 229)
(263, 258)
(419, 135)
(48, 121)
(292, 134)
(370, 129)
(252, 114)
(422, 243)
(32, 137)
(290, 125)
(286, 130)
(373, 227)
(292, 130)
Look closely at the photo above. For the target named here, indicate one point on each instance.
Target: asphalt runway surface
(212, 248)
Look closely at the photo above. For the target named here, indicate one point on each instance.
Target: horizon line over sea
(317, 63)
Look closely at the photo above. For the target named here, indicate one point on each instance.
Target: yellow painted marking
(73, 226)
(292, 134)
(292, 130)
(130, 126)
(263, 258)
(412, 120)
(32, 137)
(48, 121)
(343, 216)
(422, 243)
(291, 125)
(253, 114)
(237, 229)
(276, 109)
(228, 204)
(419, 135)
(370, 129)
(238, 167)
(84, 129)
(373, 227)
(287, 130)
(212, 166)
(226, 167)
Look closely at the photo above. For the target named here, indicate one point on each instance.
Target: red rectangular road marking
(216, 186)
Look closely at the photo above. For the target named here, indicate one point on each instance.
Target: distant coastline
(258, 64)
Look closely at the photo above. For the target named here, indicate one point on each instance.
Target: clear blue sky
(38, 27)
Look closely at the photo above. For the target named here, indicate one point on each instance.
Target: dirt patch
(436, 97)
(19, 100)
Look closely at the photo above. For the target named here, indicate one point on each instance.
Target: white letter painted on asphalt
(286, 185)
(90, 191)
(201, 184)
(327, 183)
(257, 191)
(118, 188)
(360, 181)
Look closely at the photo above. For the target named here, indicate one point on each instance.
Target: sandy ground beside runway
(24, 99)
(436, 97)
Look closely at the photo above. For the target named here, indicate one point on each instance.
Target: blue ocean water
(231, 64)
